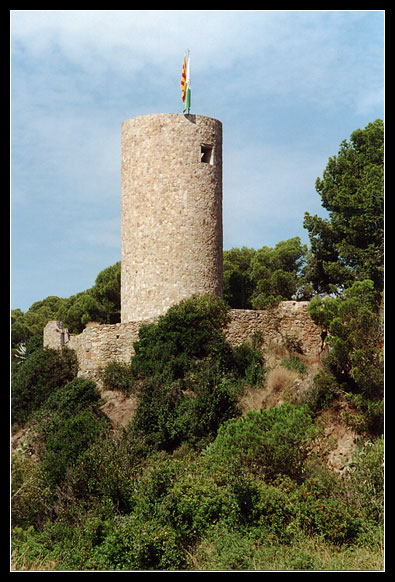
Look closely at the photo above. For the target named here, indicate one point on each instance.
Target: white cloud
(308, 55)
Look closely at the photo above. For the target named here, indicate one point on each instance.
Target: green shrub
(37, 377)
(267, 508)
(332, 518)
(366, 479)
(367, 416)
(215, 400)
(118, 376)
(190, 330)
(272, 511)
(195, 503)
(267, 443)
(137, 544)
(67, 542)
(248, 364)
(64, 404)
(72, 437)
(324, 508)
(30, 494)
(224, 548)
(27, 550)
(293, 363)
(34, 343)
(190, 377)
(106, 470)
(227, 548)
(324, 390)
(73, 397)
(154, 484)
(159, 415)
(355, 358)
(172, 413)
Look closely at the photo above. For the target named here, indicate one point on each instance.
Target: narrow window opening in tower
(207, 154)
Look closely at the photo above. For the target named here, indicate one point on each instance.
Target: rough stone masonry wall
(288, 320)
(171, 212)
(99, 345)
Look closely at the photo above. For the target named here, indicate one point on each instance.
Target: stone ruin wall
(101, 344)
(289, 318)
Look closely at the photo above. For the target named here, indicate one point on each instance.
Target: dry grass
(280, 380)
(21, 563)
(252, 399)
(278, 388)
(281, 384)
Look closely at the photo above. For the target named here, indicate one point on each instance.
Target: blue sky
(288, 86)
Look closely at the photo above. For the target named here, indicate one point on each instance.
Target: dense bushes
(187, 376)
(135, 544)
(268, 443)
(186, 509)
(190, 483)
(117, 376)
(354, 362)
(190, 331)
(34, 379)
(168, 415)
(68, 441)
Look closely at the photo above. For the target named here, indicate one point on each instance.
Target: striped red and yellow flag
(184, 79)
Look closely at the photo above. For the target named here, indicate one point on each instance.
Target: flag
(186, 82)
(183, 79)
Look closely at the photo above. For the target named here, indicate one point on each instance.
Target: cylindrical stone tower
(171, 212)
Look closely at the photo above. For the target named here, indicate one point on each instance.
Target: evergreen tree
(349, 245)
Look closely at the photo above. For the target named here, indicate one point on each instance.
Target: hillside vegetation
(226, 463)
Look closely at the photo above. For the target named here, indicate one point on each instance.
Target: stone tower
(171, 212)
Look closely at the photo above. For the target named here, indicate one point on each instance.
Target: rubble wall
(100, 344)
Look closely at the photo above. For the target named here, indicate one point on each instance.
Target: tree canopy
(349, 245)
(256, 279)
